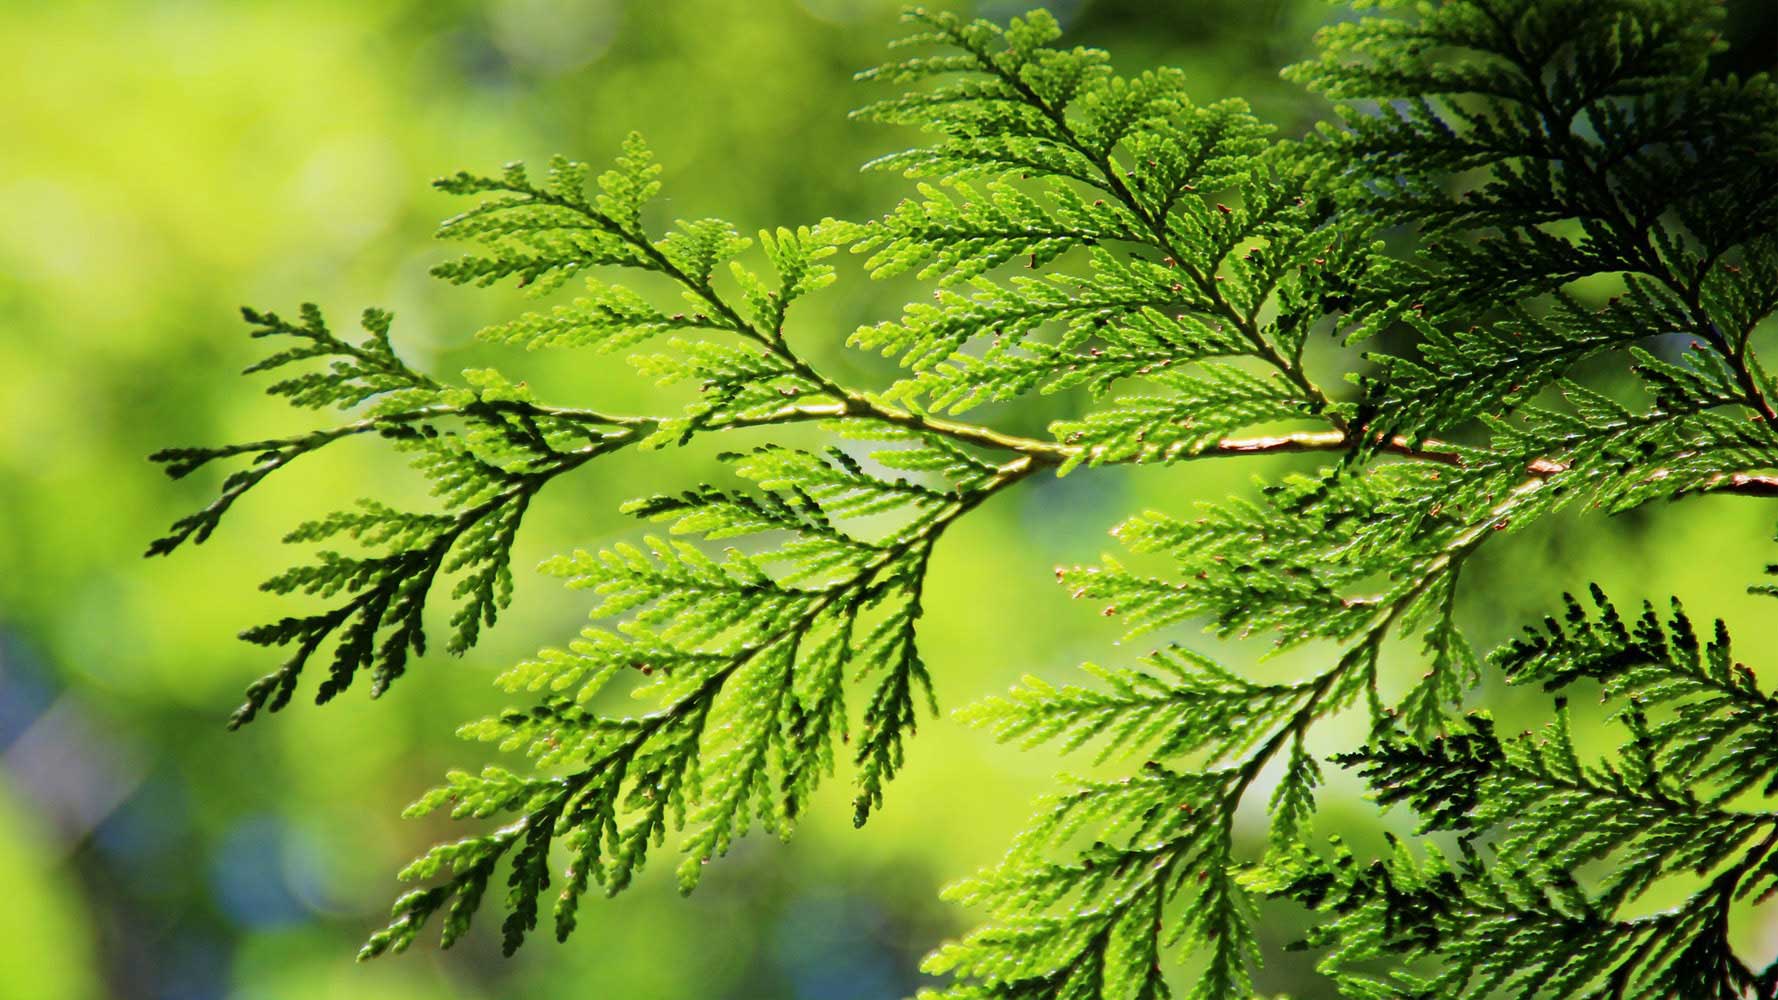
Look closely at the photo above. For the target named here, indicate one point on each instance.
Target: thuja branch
(1155, 223)
(1180, 253)
(633, 779)
(1635, 233)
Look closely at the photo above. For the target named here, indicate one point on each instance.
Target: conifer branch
(1157, 233)
(649, 765)
(1177, 258)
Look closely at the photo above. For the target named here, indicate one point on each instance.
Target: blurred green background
(165, 162)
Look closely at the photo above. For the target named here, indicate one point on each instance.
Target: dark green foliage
(1515, 190)
(1520, 909)
(1537, 144)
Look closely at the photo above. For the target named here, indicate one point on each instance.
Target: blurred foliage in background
(166, 161)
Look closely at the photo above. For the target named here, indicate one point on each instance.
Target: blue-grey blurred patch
(832, 946)
(1054, 509)
(190, 969)
(25, 688)
(247, 874)
(146, 830)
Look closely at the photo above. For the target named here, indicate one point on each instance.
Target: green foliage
(1561, 182)
(1537, 144)
(486, 447)
(1219, 244)
(1523, 914)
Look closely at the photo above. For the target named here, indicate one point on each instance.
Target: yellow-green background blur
(163, 162)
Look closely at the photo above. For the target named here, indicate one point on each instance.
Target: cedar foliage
(1508, 189)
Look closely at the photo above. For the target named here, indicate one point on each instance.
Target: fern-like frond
(1527, 916)
(1520, 198)
(1536, 144)
(749, 658)
(486, 446)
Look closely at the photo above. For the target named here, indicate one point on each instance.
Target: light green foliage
(484, 444)
(1215, 230)
(1572, 188)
